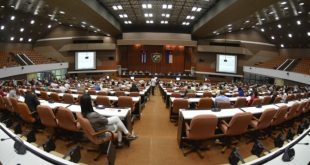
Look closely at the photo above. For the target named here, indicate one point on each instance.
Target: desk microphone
(3, 139)
(303, 143)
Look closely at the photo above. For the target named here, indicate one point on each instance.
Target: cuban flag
(169, 57)
(143, 56)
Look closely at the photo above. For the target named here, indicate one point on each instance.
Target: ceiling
(165, 15)
(201, 18)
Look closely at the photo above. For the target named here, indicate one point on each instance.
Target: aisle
(157, 142)
(157, 136)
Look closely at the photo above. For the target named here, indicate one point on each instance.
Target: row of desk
(186, 115)
(137, 100)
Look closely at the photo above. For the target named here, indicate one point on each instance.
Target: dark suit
(32, 101)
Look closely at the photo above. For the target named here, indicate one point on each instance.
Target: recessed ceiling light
(285, 8)
(29, 40)
(91, 26)
(241, 28)
(308, 33)
(197, 9)
(2, 27)
(299, 12)
(147, 6)
(277, 18)
(282, 45)
(12, 38)
(169, 6)
(247, 21)
(21, 39)
(272, 37)
(263, 19)
(83, 26)
(262, 29)
(119, 7)
(165, 6)
(49, 26)
(298, 22)
(83, 22)
(301, 4)
(279, 26)
(70, 25)
(21, 29)
(290, 35)
(62, 12)
(12, 17)
(229, 25)
(114, 7)
(32, 22)
(283, 3)
(2, 6)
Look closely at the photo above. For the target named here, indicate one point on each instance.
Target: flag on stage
(143, 56)
(169, 57)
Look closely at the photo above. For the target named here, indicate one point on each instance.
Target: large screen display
(85, 60)
(226, 63)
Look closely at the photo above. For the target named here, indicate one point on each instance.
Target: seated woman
(100, 122)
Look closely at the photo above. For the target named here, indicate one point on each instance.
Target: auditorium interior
(149, 82)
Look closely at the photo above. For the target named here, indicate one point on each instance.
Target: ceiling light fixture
(29, 40)
(49, 26)
(279, 26)
(12, 17)
(2, 27)
(21, 29)
(32, 22)
(298, 22)
(262, 29)
(12, 38)
(290, 35)
(282, 45)
(272, 37)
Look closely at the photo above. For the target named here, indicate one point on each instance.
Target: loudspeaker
(19, 147)
(288, 155)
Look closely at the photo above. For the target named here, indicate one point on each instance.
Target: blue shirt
(221, 98)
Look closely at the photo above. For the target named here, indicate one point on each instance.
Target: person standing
(153, 85)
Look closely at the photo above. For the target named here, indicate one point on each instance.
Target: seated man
(221, 98)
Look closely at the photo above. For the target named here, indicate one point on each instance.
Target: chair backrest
(66, 119)
(223, 105)
(89, 130)
(47, 116)
(14, 102)
(179, 104)
(119, 93)
(207, 94)
(44, 95)
(239, 123)
(202, 127)
(21, 92)
(205, 103)
(277, 100)
(103, 100)
(125, 101)
(266, 100)
(292, 111)
(307, 107)
(103, 93)
(300, 109)
(175, 94)
(8, 104)
(68, 98)
(266, 118)
(2, 103)
(25, 113)
(240, 102)
(134, 94)
(279, 117)
(55, 97)
(92, 92)
(256, 102)
(190, 95)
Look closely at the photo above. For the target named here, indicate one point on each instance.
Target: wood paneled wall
(130, 57)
